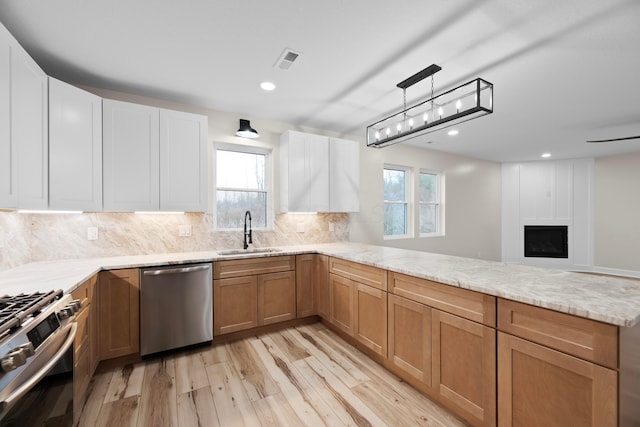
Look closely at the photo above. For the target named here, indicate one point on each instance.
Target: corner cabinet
(75, 148)
(318, 173)
(154, 159)
(24, 128)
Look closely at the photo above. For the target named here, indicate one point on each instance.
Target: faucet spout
(246, 243)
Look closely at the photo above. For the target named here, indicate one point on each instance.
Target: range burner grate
(14, 310)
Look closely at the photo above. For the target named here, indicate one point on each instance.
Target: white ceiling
(564, 70)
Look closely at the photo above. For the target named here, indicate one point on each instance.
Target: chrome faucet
(246, 244)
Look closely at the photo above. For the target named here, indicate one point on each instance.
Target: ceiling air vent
(286, 59)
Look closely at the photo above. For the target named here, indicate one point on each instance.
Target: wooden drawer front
(471, 305)
(252, 266)
(84, 329)
(360, 273)
(584, 338)
(84, 292)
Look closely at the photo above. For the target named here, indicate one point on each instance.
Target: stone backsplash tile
(41, 237)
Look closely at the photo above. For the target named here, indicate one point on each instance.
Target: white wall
(617, 214)
(472, 201)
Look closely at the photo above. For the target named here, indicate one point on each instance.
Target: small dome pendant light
(246, 131)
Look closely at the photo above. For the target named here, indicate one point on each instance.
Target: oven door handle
(71, 329)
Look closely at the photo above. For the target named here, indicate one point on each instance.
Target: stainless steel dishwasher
(176, 307)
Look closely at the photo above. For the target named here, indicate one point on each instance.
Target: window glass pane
(394, 185)
(428, 187)
(395, 219)
(231, 206)
(240, 170)
(428, 219)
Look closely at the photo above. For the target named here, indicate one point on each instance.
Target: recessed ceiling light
(453, 132)
(545, 155)
(268, 86)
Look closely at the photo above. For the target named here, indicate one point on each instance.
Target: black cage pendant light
(465, 102)
(246, 131)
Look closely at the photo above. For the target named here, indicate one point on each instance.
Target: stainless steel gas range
(37, 333)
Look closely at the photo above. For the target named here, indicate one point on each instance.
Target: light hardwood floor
(302, 376)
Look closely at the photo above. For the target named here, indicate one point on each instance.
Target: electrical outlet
(332, 226)
(300, 227)
(184, 231)
(92, 233)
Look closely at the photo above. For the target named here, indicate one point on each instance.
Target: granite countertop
(608, 299)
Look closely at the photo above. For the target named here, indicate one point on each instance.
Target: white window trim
(268, 177)
(408, 201)
(440, 183)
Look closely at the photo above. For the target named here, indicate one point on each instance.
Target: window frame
(408, 201)
(439, 203)
(268, 180)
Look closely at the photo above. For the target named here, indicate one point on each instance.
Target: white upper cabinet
(154, 159)
(8, 153)
(75, 148)
(183, 161)
(29, 130)
(344, 180)
(318, 173)
(24, 130)
(304, 172)
(130, 157)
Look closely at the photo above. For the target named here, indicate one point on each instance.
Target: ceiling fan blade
(615, 139)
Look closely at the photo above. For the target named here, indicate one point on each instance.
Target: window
(396, 201)
(241, 185)
(430, 203)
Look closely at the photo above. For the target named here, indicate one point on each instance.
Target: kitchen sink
(253, 251)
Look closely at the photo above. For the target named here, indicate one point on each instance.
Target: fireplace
(546, 241)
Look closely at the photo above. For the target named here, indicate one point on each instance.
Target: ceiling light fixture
(267, 86)
(465, 102)
(246, 131)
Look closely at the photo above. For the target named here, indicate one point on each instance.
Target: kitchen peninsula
(488, 321)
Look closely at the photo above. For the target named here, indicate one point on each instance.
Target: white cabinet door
(304, 169)
(130, 156)
(29, 129)
(344, 180)
(8, 153)
(183, 161)
(75, 148)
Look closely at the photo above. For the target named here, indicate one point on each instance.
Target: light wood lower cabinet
(276, 297)
(306, 276)
(538, 386)
(369, 317)
(341, 303)
(464, 366)
(86, 343)
(235, 304)
(410, 337)
(359, 310)
(322, 286)
(119, 313)
(253, 292)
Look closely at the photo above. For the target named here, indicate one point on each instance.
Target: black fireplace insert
(546, 241)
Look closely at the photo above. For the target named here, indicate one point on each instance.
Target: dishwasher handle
(178, 270)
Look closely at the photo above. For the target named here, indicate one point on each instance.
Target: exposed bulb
(411, 123)
(388, 131)
(399, 127)
(377, 136)
(458, 106)
(440, 112)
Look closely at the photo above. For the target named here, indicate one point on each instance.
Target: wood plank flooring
(302, 376)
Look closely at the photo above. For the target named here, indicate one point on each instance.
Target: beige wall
(472, 201)
(617, 212)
